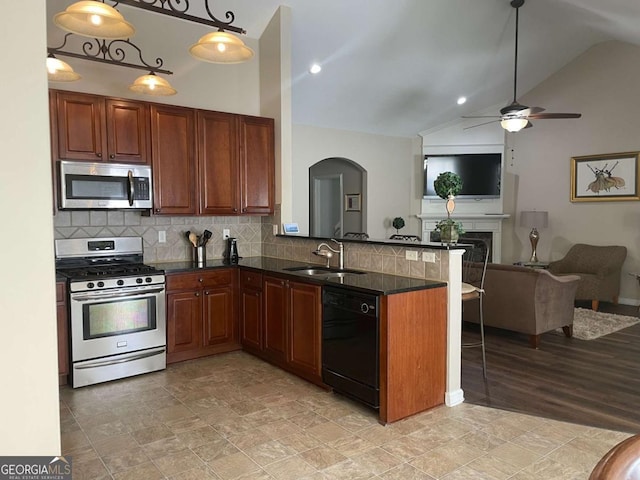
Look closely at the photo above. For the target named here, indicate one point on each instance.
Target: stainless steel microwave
(85, 185)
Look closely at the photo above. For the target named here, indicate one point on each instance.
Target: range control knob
(138, 280)
(90, 285)
(148, 280)
(364, 308)
(100, 284)
(120, 282)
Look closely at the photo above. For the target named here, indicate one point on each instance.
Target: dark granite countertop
(369, 282)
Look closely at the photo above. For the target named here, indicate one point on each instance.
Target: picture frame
(352, 202)
(606, 177)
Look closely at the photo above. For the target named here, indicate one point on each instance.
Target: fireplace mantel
(472, 222)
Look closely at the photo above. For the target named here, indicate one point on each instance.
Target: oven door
(118, 321)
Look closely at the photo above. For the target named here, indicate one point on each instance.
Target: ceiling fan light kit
(514, 117)
(107, 26)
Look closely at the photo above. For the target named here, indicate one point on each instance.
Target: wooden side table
(543, 265)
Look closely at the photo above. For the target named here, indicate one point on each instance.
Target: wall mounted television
(480, 172)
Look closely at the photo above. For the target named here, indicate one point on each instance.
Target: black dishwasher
(350, 339)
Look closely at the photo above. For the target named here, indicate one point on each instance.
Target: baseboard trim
(629, 301)
(456, 397)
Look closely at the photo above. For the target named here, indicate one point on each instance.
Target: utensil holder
(199, 255)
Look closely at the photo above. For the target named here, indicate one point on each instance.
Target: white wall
(390, 162)
(602, 84)
(29, 415)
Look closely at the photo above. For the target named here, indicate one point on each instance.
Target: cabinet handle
(112, 156)
(197, 294)
(235, 209)
(157, 210)
(98, 154)
(200, 280)
(206, 293)
(244, 210)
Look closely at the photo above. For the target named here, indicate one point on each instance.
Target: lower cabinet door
(184, 321)
(305, 328)
(275, 316)
(219, 314)
(251, 319)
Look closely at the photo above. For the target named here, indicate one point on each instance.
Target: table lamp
(534, 220)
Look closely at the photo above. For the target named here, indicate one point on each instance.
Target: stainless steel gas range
(116, 309)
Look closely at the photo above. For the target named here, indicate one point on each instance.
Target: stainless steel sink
(323, 271)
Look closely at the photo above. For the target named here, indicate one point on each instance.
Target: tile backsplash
(116, 223)
(255, 238)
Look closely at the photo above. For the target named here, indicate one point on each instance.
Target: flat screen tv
(480, 173)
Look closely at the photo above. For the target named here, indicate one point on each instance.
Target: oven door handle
(105, 363)
(101, 295)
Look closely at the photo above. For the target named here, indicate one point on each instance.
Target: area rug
(588, 324)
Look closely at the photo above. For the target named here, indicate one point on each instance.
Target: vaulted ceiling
(398, 67)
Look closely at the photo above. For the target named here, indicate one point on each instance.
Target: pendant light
(94, 19)
(152, 84)
(221, 47)
(59, 71)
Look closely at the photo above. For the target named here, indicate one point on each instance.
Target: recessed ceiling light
(315, 68)
(462, 100)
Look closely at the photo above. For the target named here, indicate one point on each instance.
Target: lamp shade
(59, 71)
(514, 124)
(534, 219)
(94, 19)
(221, 47)
(152, 84)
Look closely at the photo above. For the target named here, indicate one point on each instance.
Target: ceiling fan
(515, 116)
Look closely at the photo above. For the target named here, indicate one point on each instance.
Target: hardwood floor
(595, 382)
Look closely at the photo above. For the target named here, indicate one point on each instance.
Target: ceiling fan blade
(533, 110)
(480, 116)
(480, 124)
(540, 116)
(528, 125)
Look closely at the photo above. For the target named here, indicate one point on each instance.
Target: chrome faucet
(328, 253)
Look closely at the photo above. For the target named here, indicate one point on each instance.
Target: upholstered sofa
(526, 300)
(599, 268)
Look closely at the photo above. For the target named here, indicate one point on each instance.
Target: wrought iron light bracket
(113, 52)
(179, 9)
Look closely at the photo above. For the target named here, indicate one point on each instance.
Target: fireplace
(485, 226)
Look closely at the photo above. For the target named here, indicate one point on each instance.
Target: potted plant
(447, 186)
(398, 223)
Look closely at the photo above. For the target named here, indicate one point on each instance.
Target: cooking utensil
(193, 238)
(206, 236)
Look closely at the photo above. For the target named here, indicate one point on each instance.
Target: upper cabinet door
(173, 160)
(257, 165)
(127, 131)
(218, 168)
(80, 127)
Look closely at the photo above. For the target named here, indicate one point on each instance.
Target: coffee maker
(231, 253)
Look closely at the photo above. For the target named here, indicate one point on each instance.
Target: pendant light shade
(514, 124)
(94, 19)
(152, 84)
(59, 71)
(221, 47)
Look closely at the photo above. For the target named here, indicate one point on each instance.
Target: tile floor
(233, 416)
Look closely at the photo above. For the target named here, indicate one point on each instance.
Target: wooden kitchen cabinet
(99, 129)
(292, 326)
(173, 160)
(251, 310)
(236, 164)
(201, 314)
(63, 332)
(257, 165)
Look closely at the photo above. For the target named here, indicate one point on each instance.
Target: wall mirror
(337, 198)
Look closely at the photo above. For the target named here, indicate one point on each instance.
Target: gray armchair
(599, 268)
(526, 300)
